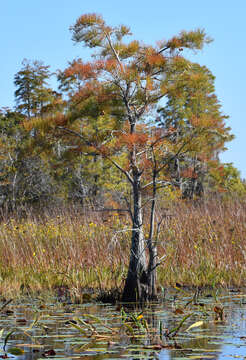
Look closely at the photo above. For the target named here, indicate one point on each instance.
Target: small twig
(158, 263)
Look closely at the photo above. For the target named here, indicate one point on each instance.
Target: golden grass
(204, 245)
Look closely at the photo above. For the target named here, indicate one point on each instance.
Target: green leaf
(82, 331)
(15, 351)
(6, 339)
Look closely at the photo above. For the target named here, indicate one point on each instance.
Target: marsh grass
(68, 252)
(205, 244)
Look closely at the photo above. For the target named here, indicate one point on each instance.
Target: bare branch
(163, 49)
(158, 263)
(129, 207)
(119, 168)
(164, 183)
(114, 51)
(172, 157)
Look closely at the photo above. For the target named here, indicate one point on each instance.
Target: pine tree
(32, 93)
(192, 107)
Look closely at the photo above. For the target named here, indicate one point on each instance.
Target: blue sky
(39, 30)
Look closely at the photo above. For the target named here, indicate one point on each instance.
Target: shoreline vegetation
(68, 253)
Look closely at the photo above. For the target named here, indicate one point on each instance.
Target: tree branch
(172, 157)
(114, 52)
(163, 49)
(165, 183)
(88, 143)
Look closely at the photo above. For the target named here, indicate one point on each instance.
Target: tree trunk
(136, 286)
(152, 274)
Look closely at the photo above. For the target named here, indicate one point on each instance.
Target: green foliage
(193, 110)
(9, 121)
(226, 180)
(33, 96)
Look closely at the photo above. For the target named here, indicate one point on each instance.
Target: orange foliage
(131, 72)
(84, 71)
(110, 65)
(103, 96)
(60, 120)
(155, 59)
(89, 70)
(104, 151)
(146, 163)
(194, 120)
(85, 92)
(189, 173)
(174, 43)
(77, 149)
(221, 171)
(89, 19)
(171, 129)
(96, 90)
(203, 157)
(132, 139)
(133, 46)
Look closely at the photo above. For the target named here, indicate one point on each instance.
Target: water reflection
(39, 329)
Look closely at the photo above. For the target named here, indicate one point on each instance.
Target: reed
(67, 251)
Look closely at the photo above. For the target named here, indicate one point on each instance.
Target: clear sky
(39, 30)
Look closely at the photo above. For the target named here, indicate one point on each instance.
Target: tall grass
(65, 250)
(205, 244)
(61, 249)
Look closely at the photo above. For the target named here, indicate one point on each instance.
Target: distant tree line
(34, 170)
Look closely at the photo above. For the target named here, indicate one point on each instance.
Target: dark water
(38, 330)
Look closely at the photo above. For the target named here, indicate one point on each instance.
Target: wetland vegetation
(184, 325)
(68, 252)
(122, 234)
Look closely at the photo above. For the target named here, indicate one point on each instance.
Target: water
(34, 330)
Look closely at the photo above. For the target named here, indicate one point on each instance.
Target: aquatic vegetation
(179, 327)
(70, 254)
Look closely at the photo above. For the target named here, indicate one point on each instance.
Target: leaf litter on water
(195, 325)
(107, 323)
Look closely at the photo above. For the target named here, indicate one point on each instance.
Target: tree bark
(136, 285)
(152, 273)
